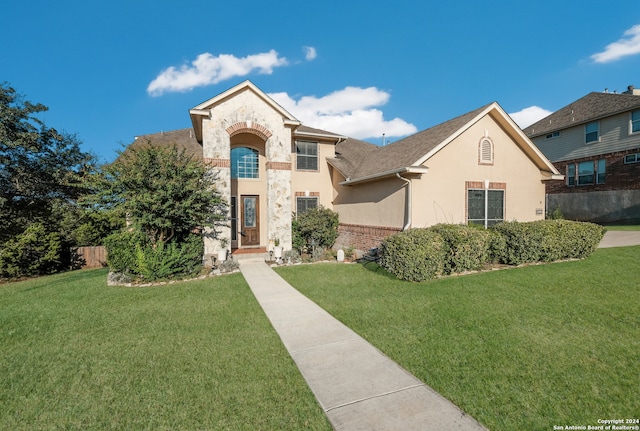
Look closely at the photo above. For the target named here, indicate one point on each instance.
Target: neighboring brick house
(477, 168)
(595, 142)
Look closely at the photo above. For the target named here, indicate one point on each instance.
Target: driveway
(618, 238)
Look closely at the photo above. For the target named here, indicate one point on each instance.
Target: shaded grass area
(524, 348)
(77, 354)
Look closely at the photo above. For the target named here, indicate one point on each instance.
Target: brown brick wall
(619, 176)
(362, 237)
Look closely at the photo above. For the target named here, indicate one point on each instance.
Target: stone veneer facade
(246, 112)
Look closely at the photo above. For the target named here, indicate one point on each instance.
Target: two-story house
(595, 142)
(476, 168)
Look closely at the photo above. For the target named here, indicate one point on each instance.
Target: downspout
(408, 203)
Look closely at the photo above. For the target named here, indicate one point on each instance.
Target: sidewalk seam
(374, 396)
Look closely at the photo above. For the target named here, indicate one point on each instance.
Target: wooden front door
(250, 229)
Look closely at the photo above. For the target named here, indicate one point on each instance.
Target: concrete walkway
(620, 238)
(357, 386)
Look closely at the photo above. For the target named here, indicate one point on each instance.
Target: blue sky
(111, 70)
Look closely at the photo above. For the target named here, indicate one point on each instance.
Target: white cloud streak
(528, 116)
(310, 53)
(628, 45)
(208, 69)
(350, 111)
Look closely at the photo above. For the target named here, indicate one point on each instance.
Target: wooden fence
(92, 257)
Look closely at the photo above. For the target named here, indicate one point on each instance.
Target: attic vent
(485, 151)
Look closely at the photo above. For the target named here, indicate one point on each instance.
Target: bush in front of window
(468, 246)
(316, 227)
(415, 255)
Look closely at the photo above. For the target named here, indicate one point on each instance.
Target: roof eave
(406, 170)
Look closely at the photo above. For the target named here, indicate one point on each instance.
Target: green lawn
(525, 348)
(624, 227)
(76, 354)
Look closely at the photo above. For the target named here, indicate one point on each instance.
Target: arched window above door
(245, 163)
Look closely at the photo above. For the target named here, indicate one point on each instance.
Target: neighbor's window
(635, 121)
(244, 163)
(552, 135)
(587, 173)
(591, 132)
(307, 155)
(632, 158)
(485, 207)
(601, 171)
(305, 203)
(571, 174)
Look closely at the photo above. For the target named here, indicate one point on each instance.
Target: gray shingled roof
(310, 130)
(183, 139)
(358, 159)
(591, 107)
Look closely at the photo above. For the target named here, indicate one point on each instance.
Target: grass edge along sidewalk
(522, 348)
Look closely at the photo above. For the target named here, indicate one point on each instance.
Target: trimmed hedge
(545, 241)
(414, 255)
(468, 246)
(420, 254)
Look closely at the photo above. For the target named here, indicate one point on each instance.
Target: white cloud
(349, 111)
(310, 53)
(208, 69)
(629, 44)
(528, 116)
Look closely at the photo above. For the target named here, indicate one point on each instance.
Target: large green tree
(164, 192)
(39, 166)
(168, 198)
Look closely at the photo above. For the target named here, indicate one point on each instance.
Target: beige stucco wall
(376, 203)
(317, 183)
(440, 195)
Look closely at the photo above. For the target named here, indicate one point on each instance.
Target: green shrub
(544, 241)
(169, 260)
(521, 243)
(316, 226)
(468, 246)
(131, 253)
(414, 255)
(33, 252)
(121, 250)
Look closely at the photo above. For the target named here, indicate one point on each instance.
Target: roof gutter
(408, 201)
(393, 172)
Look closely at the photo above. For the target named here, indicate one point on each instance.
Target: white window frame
(587, 132)
(307, 157)
(486, 221)
(245, 168)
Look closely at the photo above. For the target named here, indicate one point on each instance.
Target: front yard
(525, 348)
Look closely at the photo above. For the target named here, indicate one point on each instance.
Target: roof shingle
(591, 107)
